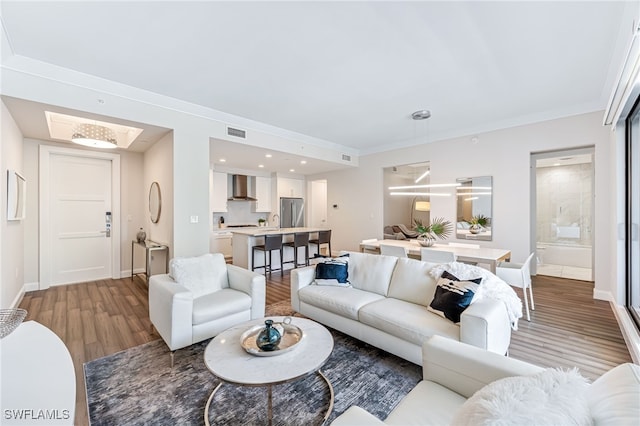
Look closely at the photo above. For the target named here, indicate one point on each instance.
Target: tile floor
(571, 272)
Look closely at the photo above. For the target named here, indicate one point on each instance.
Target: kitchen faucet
(276, 220)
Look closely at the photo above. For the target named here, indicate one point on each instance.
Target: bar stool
(300, 239)
(324, 237)
(271, 242)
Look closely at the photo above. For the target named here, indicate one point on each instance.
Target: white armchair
(201, 297)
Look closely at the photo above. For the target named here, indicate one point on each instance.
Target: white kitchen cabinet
(219, 192)
(263, 195)
(220, 242)
(288, 187)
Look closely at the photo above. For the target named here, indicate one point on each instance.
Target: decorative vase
(269, 338)
(141, 236)
(426, 240)
(475, 229)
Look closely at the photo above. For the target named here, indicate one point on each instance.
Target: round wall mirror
(155, 202)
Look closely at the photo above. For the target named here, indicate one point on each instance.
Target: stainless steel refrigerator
(291, 212)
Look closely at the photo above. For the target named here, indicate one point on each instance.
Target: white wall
(11, 232)
(503, 154)
(158, 167)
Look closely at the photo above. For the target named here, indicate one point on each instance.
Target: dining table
(484, 255)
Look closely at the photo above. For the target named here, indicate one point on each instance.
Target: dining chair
(389, 250)
(436, 256)
(518, 275)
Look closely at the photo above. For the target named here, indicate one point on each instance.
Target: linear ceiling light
(424, 194)
(422, 176)
(94, 136)
(434, 185)
(464, 188)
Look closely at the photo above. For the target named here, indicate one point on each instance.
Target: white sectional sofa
(462, 385)
(386, 306)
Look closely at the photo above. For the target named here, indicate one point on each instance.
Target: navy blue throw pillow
(333, 271)
(453, 296)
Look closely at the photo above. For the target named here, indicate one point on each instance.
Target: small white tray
(292, 336)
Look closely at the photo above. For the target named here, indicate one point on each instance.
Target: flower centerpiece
(477, 223)
(438, 228)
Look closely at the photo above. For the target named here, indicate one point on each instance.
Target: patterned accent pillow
(333, 271)
(453, 296)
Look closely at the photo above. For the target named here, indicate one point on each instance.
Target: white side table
(38, 381)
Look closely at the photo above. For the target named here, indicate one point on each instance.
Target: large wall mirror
(404, 199)
(474, 208)
(155, 202)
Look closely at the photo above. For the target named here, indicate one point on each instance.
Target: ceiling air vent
(236, 132)
(346, 157)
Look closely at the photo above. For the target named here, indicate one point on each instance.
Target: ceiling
(348, 73)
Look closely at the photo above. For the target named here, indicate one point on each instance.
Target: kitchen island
(244, 240)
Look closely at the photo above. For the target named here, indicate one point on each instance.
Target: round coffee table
(227, 360)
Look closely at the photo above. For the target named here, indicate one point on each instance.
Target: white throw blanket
(491, 287)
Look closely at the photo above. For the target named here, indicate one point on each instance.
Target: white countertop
(261, 231)
(227, 229)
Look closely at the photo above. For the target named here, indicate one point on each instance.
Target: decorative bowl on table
(10, 319)
(290, 336)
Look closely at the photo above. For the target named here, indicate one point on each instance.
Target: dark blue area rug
(138, 387)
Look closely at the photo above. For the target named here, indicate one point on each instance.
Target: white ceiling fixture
(422, 114)
(87, 132)
(94, 136)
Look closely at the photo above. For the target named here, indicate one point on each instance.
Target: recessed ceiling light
(222, 160)
(261, 165)
(303, 161)
(292, 170)
(268, 155)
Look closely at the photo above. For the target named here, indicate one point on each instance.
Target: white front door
(77, 208)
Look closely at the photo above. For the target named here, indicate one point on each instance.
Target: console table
(149, 247)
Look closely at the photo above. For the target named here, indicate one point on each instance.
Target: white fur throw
(491, 287)
(552, 397)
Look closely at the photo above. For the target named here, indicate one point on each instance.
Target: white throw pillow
(551, 397)
(201, 275)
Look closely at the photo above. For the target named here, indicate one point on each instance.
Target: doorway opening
(563, 210)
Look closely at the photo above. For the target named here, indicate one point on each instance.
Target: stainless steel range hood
(241, 189)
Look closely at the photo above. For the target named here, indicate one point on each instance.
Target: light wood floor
(100, 318)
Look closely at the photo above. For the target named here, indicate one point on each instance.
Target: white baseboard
(32, 286)
(629, 331)
(127, 273)
(603, 295)
(18, 299)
